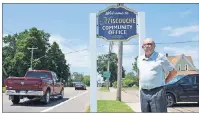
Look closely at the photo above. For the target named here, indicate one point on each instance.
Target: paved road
(180, 107)
(73, 101)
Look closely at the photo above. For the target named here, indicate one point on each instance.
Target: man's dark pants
(153, 100)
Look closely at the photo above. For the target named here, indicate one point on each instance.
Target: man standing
(152, 67)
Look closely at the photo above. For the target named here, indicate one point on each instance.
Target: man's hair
(150, 39)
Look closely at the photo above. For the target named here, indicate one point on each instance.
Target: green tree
(78, 77)
(130, 79)
(135, 68)
(17, 57)
(130, 74)
(56, 62)
(86, 80)
(102, 62)
(8, 53)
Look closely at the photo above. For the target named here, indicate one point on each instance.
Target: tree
(9, 52)
(102, 62)
(131, 74)
(130, 79)
(56, 62)
(86, 80)
(77, 77)
(17, 57)
(135, 68)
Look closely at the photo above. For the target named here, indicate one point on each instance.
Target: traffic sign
(117, 23)
(30, 68)
(107, 74)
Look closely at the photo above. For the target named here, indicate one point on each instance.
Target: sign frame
(114, 40)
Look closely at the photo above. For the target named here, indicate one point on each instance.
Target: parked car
(80, 86)
(41, 84)
(183, 88)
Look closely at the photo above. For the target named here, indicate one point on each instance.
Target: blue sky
(68, 25)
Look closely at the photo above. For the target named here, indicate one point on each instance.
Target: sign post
(142, 33)
(117, 23)
(93, 63)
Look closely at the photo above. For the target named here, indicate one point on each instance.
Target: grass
(130, 88)
(3, 89)
(104, 89)
(111, 106)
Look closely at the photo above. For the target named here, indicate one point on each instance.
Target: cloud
(168, 28)
(193, 52)
(80, 60)
(196, 38)
(75, 59)
(127, 49)
(127, 63)
(185, 13)
(181, 30)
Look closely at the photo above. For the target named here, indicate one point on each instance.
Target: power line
(178, 42)
(132, 44)
(84, 49)
(68, 43)
(158, 43)
(170, 42)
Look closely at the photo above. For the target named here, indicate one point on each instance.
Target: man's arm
(171, 75)
(168, 68)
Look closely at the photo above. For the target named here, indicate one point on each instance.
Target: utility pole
(4, 70)
(119, 74)
(32, 55)
(108, 67)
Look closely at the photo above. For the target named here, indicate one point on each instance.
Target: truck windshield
(37, 74)
(175, 79)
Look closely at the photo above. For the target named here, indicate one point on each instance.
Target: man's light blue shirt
(152, 70)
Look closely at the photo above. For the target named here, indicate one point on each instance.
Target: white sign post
(93, 57)
(141, 32)
(93, 64)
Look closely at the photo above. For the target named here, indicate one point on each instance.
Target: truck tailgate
(23, 83)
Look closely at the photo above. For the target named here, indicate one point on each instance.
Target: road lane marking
(48, 109)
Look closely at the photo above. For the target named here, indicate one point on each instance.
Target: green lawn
(111, 106)
(104, 89)
(3, 89)
(130, 88)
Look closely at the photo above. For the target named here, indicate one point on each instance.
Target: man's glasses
(149, 44)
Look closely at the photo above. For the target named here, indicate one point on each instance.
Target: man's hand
(171, 75)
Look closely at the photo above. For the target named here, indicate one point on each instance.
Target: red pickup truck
(42, 84)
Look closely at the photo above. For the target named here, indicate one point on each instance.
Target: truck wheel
(15, 100)
(62, 94)
(30, 97)
(47, 97)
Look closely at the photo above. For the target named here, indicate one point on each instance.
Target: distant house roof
(174, 59)
(187, 72)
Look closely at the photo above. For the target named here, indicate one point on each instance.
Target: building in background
(183, 64)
